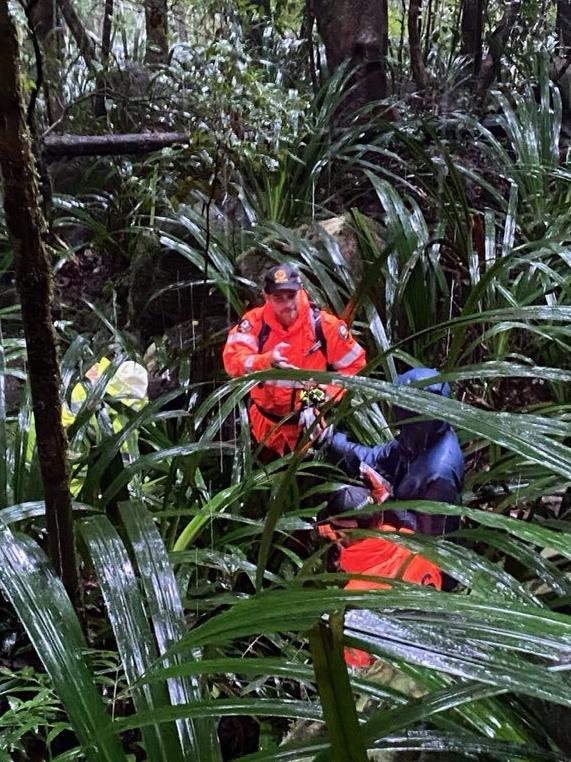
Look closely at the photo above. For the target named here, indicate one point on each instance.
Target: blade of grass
(326, 643)
(3, 434)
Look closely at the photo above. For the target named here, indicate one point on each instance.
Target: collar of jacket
(301, 320)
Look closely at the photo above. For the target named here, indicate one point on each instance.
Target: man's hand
(279, 360)
(324, 436)
(380, 488)
(320, 434)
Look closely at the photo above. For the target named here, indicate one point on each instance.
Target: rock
(165, 287)
(253, 263)
(129, 92)
(342, 231)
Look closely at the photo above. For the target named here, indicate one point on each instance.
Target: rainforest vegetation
(163, 595)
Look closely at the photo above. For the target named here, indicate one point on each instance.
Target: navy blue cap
(284, 277)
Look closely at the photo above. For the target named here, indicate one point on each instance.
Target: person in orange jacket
(288, 331)
(374, 556)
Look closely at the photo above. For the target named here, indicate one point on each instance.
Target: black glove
(345, 500)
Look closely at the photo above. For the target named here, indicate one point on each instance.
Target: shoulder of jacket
(392, 449)
(329, 319)
(326, 314)
(334, 326)
(252, 319)
(255, 312)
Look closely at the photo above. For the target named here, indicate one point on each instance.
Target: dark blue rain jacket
(424, 462)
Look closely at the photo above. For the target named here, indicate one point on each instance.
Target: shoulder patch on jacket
(343, 331)
(245, 326)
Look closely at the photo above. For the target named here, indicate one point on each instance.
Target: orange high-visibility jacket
(274, 400)
(377, 557)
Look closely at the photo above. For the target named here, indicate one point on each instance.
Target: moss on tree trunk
(33, 275)
(156, 14)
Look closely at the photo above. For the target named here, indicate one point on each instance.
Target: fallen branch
(58, 146)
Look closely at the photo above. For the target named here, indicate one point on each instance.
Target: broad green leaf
(165, 609)
(450, 632)
(46, 613)
(224, 707)
(129, 620)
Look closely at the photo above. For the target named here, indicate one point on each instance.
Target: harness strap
(263, 336)
(317, 328)
(291, 417)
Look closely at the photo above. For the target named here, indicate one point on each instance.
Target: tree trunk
(43, 19)
(106, 32)
(156, 16)
(178, 14)
(472, 16)
(498, 40)
(356, 31)
(563, 24)
(99, 106)
(306, 33)
(33, 276)
(78, 32)
(416, 60)
(256, 26)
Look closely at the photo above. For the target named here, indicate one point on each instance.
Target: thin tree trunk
(428, 24)
(498, 40)
(403, 22)
(43, 18)
(101, 80)
(416, 60)
(178, 14)
(306, 33)
(472, 17)
(106, 32)
(156, 16)
(78, 32)
(563, 24)
(256, 26)
(33, 276)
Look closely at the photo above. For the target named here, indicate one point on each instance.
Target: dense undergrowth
(206, 592)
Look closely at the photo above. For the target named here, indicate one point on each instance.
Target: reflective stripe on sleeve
(284, 384)
(249, 362)
(347, 359)
(243, 338)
